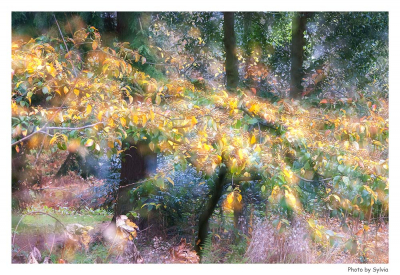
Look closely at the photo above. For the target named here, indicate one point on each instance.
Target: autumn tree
(288, 149)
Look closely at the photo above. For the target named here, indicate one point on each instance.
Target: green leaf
(253, 120)
(158, 99)
(336, 179)
(238, 124)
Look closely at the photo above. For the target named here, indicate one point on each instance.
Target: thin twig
(74, 128)
(66, 47)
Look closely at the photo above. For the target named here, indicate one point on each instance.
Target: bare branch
(55, 128)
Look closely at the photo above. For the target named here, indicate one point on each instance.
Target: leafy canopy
(93, 96)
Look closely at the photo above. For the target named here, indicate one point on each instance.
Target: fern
(207, 251)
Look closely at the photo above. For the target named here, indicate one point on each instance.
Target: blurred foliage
(327, 153)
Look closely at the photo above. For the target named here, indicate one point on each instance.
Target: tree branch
(66, 47)
(54, 128)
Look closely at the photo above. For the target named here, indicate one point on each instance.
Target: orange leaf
(360, 232)
(253, 90)
(324, 101)
(279, 226)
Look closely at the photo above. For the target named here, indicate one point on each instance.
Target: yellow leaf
(290, 199)
(253, 140)
(94, 45)
(336, 197)
(377, 143)
(194, 120)
(151, 145)
(100, 115)
(229, 198)
(88, 109)
(240, 154)
(135, 119)
(123, 121)
(89, 142)
(76, 91)
(50, 69)
(144, 120)
(239, 197)
(66, 90)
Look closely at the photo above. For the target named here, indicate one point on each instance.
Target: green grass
(98, 253)
(43, 224)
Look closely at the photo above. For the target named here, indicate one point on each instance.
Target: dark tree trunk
(123, 29)
(137, 162)
(298, 42)
(231, 63)
(110, 23)
(18, 167)
(209, 210)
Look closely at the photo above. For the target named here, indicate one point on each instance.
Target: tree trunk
(136, 163)
(208, 211)
(231, 63)
(298, 42)
(123, 29)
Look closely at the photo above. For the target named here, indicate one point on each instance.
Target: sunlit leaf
(89, 142)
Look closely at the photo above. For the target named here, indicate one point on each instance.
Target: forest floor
(73, 200)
